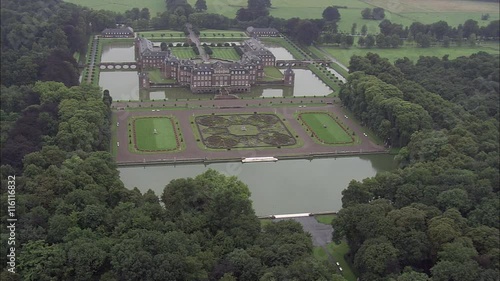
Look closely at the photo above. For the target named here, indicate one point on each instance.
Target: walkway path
(194, 152)
(195, 39)
(93, 55)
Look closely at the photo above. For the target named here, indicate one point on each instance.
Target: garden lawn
(162, 34)
(325, 219)
(332, 134)
(413, 53)
(272, 73)
(225, 53)
(155, 76)
(222, 33)
(183, 52)
(146, 139)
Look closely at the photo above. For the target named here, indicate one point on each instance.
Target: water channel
(118, 52)
(287, 186)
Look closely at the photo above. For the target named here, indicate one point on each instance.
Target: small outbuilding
(120, 32)
(262, 32)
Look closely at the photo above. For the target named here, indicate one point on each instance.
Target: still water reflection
(287, 186)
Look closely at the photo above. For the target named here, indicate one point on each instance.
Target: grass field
(272, 73)
(413, 53)
(145, 138)
(224, 53)
(183, 52)
(325, 128)
(155, 76)
(325, 219)
(401, 11)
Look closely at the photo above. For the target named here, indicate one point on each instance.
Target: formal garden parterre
(258, 130)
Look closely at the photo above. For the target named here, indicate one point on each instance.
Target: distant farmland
(401, 11)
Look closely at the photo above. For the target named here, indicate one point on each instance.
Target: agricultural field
(154, 6)
(225, 53)
(243, 131)
(153, 134)
(412, 52)
(325, 128)
(183, 52)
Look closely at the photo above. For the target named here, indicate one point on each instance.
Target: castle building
(122, 32)
(204, 77)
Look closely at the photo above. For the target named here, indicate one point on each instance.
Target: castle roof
(252, 29)
(121, 30)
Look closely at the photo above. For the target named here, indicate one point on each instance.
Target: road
(195, 39)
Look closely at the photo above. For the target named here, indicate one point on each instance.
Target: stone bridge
(119, 65)
(300, 63)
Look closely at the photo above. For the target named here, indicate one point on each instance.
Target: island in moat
(223, 124)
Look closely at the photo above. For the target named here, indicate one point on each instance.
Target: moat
(287, 186)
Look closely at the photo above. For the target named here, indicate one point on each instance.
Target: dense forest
(436, 218)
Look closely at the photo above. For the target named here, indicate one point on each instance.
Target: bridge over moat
(300, 63)
(119, 65)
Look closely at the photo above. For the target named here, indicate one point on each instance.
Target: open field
(413, 53)
(325, 128)
(146, 140)
(243, 131)
(183, 52)
(154, 6)
(225, 53)
(398, 11)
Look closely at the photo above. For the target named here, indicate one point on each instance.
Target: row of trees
(437, 216)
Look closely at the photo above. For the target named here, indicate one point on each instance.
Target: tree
(144, 14)
(378, 13)
(307, 32)
(370, 41)
(364, 29)
(200, 5)
(446, 41)
(353, 28)
(423, 40)
(472, 40)
(366, 13)
(377, 256)
(331, 14)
